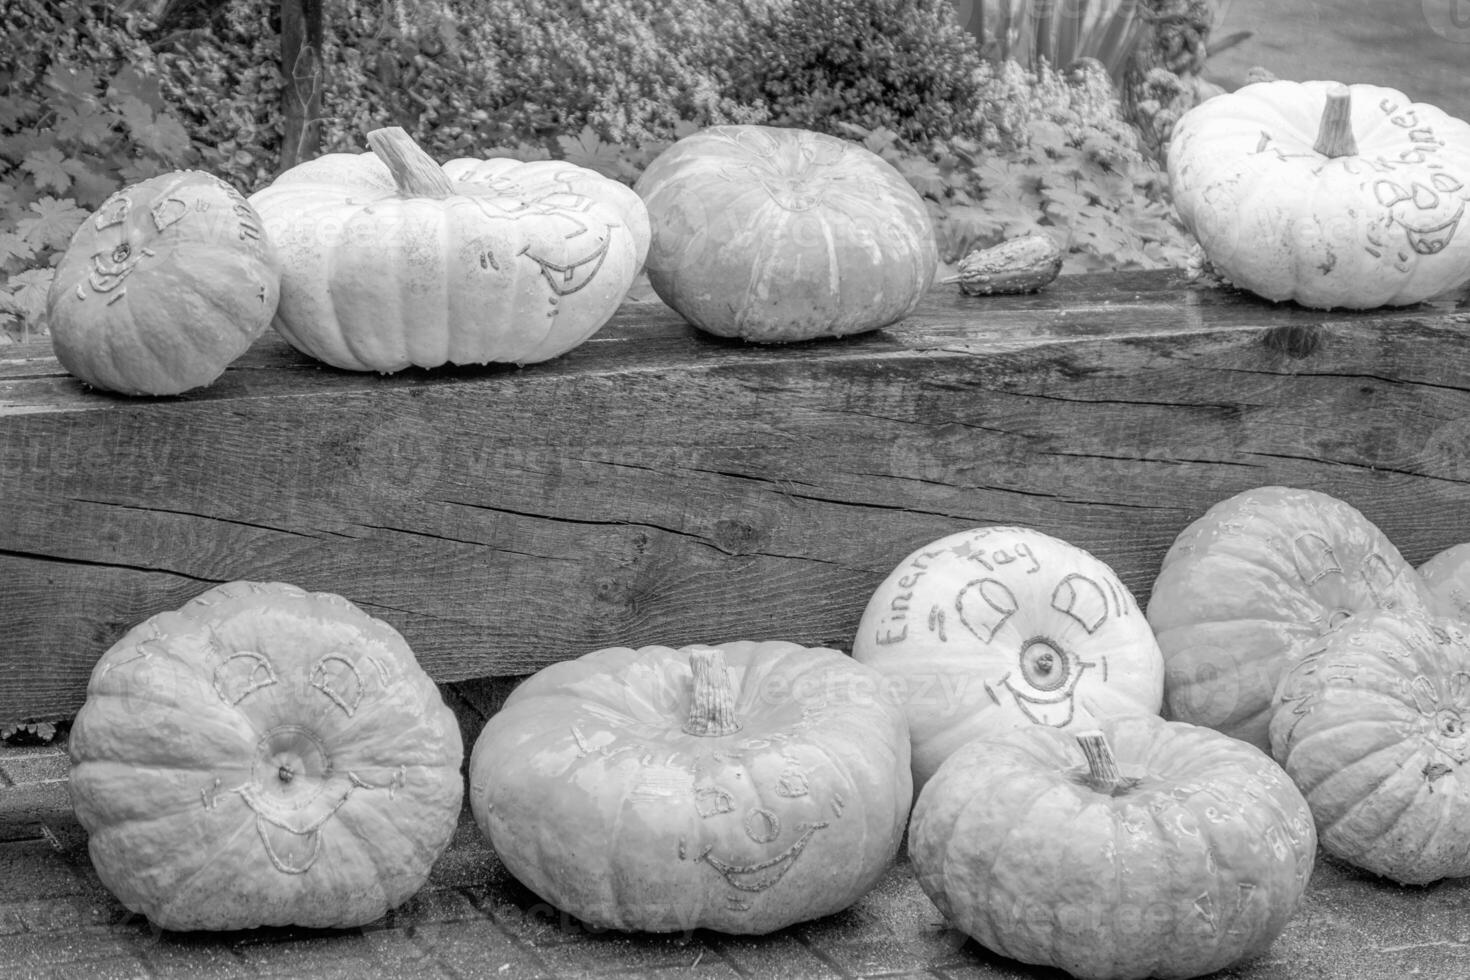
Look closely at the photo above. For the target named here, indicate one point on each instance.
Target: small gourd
(1024, 264)
(740, 787)
(163, 287)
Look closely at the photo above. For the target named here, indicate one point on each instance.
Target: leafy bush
(903, 65)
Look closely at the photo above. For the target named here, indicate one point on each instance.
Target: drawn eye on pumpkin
(242, 674)
(338, 678)
(985, 605)
(1081, 599)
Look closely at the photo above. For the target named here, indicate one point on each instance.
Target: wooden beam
(660, 485)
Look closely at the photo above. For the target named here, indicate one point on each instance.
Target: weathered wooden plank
(658, 485)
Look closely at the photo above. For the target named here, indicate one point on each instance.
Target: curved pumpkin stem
(1102, 773)
(1335, 132)
(413, 170)
(712, 704)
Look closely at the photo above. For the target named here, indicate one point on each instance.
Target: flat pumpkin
(1447, 576)
(740, 787)
(1001, 626)
(1141, 848)
(1373, 724)
(1330, 195)
(776, 234)
(1249, 586)
(264, 756)
(163, 287)
(392, 261)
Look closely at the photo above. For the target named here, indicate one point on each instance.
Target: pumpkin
(166, 284)
(1373, 724)
(1327, 194)
(774, 234)
(1143, 848)
(393, 261)
(1251, 584)
(264, 756)
(1447, 576)
(1001, 626)
(739, 787)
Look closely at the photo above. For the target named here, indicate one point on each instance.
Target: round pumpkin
(1144, 848)
(1327, 194)
(264, 756)
(392, 261)
(774, 234)
(1001, 626)
(1447, 576)
(1251, 584)
(1373, 725)
(165, 285)
(740, 787)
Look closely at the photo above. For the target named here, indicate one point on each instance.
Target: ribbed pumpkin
(775, 234)
(1251, 584)
(1447, 575)
(392, 261)
(740, 787)
(264, 756)
(1327, 194)
(163, 287)
(1143, 848)
(1001, 626)
(1373, 724)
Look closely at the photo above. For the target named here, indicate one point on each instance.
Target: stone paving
(473, 920)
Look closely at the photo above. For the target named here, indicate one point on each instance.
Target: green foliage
(80, 117)
(28, 733)
(1056, 33)
(903, 65)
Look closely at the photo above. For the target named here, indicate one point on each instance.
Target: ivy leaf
(82, 124)
(54, 223)
(587, 149)
(165, 138)
(15, 248)
(51, 169)
(25, 294)
(923, 175)
(77, 84)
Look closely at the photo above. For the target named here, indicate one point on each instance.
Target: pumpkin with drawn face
(264, 756)
(741, 787)
(999, 627)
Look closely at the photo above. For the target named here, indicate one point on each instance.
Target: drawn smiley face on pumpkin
(296, 785)
(1428, 212)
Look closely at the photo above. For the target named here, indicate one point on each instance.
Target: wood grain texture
(657, 485)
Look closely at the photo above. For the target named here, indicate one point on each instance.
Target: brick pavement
(473, 920)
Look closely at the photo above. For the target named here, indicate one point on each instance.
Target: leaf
(82, 124)
(25, 294)
(78, 84)
(51, 169)
(923, 175)
(15, 248)
(587, 149)
(165, 138)
(54, 223)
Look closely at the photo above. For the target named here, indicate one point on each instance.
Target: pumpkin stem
(712, 704)
(1102, 773)
(414, 171)
(1335, 132)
